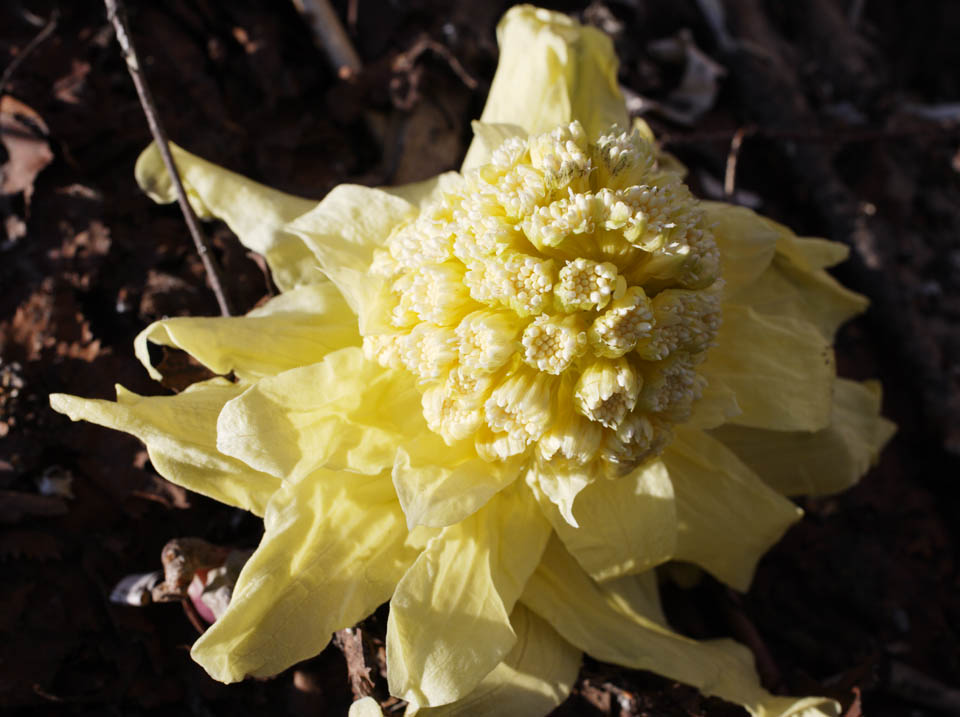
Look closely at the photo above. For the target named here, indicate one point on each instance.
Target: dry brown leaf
(22, 132)
(856, 710)
(50, 319)
(69, 87)
(182, 558)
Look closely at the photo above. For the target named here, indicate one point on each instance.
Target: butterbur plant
(500, 398)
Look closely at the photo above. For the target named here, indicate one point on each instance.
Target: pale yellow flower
(500, 398)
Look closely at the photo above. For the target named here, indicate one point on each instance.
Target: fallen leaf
(23, 133)
(51, 319)
(211, 590)
(183, 558)
(855, 709)
(136, 589)
(165, 295)
(69, 87)
(698, 88)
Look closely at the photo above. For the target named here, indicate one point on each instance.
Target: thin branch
(405, 61)
(329, 34)
(117, 16)
(730, 176)
(910, 684)
(350, 642)
(31, 46)
(193, 615)
(352, 12)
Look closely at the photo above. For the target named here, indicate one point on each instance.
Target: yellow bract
(500, 398)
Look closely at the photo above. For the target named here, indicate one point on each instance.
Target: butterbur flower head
(555, 276)
(499, 399)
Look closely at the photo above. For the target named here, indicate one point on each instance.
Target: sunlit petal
(626, 525)
(449, 621)
(257, 214)
(296, 328)
(825, 461)
(343, 230)
(553, 70)
(727, 518)
(180, 433)
(343, 413)
(610, 626)
(437, 492)
(780, 369)
(534, 677)
(332, 552)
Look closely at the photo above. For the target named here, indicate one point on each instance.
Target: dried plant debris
(136, 589)
(23, 134)
(697, 91)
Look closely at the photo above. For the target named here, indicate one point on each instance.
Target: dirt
(849, 132)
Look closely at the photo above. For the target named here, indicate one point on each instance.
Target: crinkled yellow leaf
(343, 230)
(257, 214)
(810, 253)
(449, 620)
(332, 551)
(716, 406)
(607, 624)
(788, 290)
(441, 485)
(827, 461)
(727, 518)
(343, 413)
(561, 483)
(641, 594)
(181, 438)
(747, 243)
(534, 677)
(781, 370)
(365, 707)
(296, 328)
(487, 137)
(553, 70)
(627, 525)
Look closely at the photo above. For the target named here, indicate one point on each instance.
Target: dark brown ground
(862, 594)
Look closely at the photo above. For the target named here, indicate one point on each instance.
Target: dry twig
(746, 632)
(31, 46)
(182, 558)
(329, 34)
(350, 642)
(730, 176)
(405, 61)
(910, 684)
(856, 709)
(117, 16)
